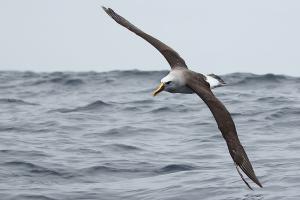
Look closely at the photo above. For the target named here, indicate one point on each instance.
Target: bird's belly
(183, 90)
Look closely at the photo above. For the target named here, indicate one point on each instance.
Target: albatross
(182, 80)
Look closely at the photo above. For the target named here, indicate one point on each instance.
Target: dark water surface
(103, 136)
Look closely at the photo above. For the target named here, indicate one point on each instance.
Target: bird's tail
(214, 81)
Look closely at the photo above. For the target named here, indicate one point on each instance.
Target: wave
(248, 78)
(274, 99)
(74, 82)
(60, 80)
(143, 102)
(16, 102)
(120, 131)
(22, 153)
(105, 169)
(132, 108)
(174, 168)
(125, 131)
(34, 169)
(284, 113)
(166, 109)
(162, 109)
(123, 147)
(94, 106)
(236, 77)
(57, 76)
(79, 78)
(33, 197)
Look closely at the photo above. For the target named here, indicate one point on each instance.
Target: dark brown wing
(172, 56)
(225, 124)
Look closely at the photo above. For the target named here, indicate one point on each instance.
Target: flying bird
(182, 80)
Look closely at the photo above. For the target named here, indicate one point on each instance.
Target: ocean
(88, 135)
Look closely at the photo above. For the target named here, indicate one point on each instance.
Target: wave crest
(16, 102)
(94, 106)
(247, 78)
(175, 168)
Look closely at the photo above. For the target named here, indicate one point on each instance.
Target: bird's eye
(168, 82)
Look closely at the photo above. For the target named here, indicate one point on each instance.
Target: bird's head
(168, 83)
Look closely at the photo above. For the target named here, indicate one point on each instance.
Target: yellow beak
(160, 88)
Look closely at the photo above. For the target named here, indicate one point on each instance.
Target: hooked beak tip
(160, 88)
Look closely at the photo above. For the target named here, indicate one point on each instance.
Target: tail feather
(214, 81)
(218, 78)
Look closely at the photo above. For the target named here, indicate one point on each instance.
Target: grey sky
(258, 36)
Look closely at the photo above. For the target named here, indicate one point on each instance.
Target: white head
(169, 83)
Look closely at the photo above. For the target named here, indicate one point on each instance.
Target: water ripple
(94, 106)
(16, 102)
(102, 136)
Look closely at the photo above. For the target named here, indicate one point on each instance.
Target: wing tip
(104, 8)
(253, 178)
(242, 161)
(257, 182)
(109, 11)
(251, 175)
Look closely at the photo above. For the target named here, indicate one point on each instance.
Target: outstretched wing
(171, 56)
(225, 125)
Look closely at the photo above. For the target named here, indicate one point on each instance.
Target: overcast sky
(258, 36)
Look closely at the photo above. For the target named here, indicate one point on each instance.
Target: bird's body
(182, 80)
(177, 77)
